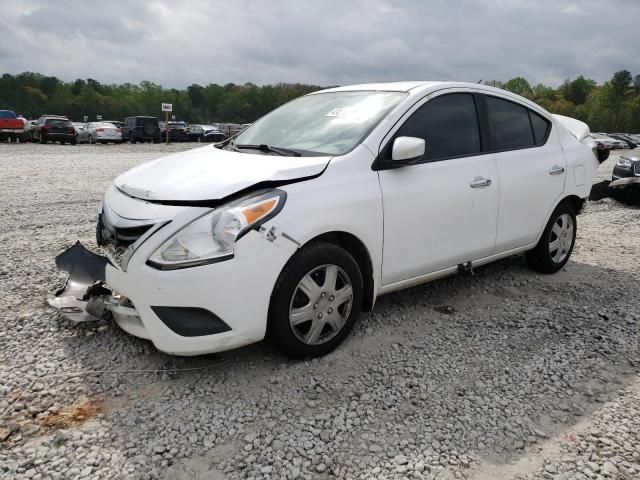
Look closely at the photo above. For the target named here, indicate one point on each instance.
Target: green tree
(578, 90)
(520, 86)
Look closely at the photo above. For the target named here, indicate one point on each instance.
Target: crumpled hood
(209, 173)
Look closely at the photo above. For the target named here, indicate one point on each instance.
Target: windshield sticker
(349, 113)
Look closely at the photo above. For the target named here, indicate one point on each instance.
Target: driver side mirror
(406, 149)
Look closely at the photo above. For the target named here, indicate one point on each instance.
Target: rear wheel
(315, 301)
(556, 244)
(43, 139)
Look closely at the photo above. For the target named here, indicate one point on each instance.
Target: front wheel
(556, 244)
(315, 301)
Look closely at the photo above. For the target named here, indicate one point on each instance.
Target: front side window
(448, 124)
(325, 123)
(510, 124)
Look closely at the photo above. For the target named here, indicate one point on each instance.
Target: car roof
(384, 87)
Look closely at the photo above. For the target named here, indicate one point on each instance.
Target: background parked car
(51, 128)
(177, 131)
(609, 142)
(196, 132)
(141, 129)
(630, 142)
(214, 136)
(115, 122)
(29, 129)
(100, 132)
(11, 127)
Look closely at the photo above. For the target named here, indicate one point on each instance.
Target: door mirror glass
(407, 148)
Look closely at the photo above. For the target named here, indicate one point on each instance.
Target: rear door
(441, 211)
(532, 170)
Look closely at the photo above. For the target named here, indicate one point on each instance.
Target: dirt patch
(73, 415)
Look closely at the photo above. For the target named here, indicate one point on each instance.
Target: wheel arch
(360, 253)
(575, 201)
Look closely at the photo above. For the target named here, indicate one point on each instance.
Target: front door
(441, 211)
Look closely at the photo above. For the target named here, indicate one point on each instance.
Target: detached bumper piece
(626, 183)
(84, 297)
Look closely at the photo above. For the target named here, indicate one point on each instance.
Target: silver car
(99, 132)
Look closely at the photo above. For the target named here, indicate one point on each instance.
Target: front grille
(126, 236)
(119, 237)
(636, 168)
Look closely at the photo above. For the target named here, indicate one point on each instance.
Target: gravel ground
(507, 374)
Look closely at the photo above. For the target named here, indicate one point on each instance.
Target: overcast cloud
(325, 42)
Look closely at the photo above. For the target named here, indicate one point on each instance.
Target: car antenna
(480, 81)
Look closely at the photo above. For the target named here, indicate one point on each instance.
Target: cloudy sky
(326, 42)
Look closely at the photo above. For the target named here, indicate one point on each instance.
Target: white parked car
(99, 132)
(296, 225)
(608, 141)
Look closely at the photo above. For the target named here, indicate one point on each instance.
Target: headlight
(212, 237)
(625, 162)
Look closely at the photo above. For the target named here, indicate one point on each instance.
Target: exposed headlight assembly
(212, 237)
(624, 162)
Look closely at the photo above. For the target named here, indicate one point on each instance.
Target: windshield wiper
(285, 152)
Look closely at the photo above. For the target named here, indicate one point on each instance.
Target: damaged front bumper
(85, 296)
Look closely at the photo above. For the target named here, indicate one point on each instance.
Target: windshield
(325, 123)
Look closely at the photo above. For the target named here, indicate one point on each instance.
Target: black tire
(132, 140)
(74, 141)
(43, 139)
(62, 142)
(541, 258)
(316, 255)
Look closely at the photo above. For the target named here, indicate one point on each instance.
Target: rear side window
(540, 127)
(448, 124)
(510, 124)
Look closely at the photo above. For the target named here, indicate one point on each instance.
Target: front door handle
(480, 182)
(556, 170)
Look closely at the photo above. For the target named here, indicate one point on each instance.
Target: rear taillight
(45, 127)
(99, 129)
(72, 130)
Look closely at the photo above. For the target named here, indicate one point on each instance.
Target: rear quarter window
(7, 114)
(540, 126)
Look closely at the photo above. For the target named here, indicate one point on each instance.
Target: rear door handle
(556, 170)
(480, 182)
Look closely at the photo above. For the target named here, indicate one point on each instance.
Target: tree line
(613, 106)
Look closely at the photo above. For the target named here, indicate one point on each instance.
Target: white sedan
(99, 132)
(295, 226)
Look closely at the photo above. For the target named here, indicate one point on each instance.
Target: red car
(11, 127)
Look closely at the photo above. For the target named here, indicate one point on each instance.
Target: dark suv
(141, 129)
(54, 129)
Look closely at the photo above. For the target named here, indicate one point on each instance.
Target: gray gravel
(506, 374)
